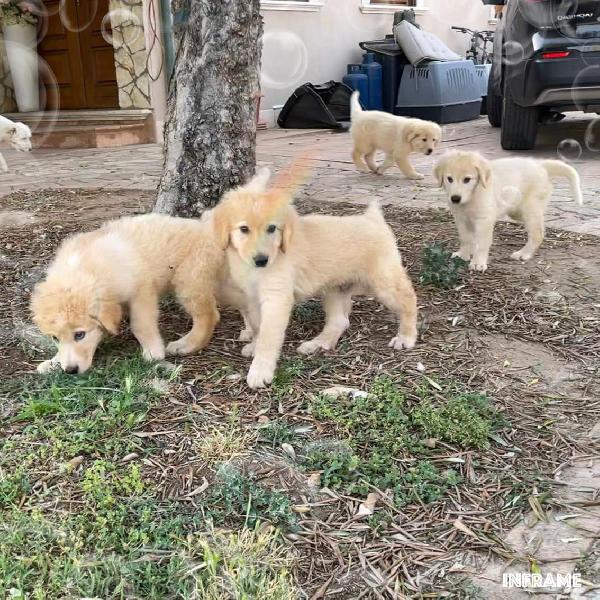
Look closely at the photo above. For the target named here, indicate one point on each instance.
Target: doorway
(79, 57)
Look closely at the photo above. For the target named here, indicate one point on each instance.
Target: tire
(494, 106)
(519, 124)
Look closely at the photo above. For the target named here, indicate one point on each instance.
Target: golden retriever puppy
(398, 137)
(276, 258)
(130, 262)
(480, 192)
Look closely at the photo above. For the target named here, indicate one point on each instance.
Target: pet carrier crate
(444, 92)
(483, 74)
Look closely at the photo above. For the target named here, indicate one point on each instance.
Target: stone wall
(127, 20)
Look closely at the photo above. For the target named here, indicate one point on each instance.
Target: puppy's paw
(403, 342)
(380, 171)
(312, 347)
(153, 353)
(478, 265)
(179, 347)
(521, 255)
(248, 349)
(246, 335)
(47, 367)
(462, 254)
(416, 176)
(260, 375)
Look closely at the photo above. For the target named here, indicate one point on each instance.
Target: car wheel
(519, 124)
(494, 106)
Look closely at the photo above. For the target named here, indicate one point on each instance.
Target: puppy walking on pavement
(480, 192)
(398, 137)
(16, 135)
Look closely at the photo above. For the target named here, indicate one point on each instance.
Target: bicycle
(478, 51)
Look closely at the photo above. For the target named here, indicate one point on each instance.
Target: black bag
(325, 106)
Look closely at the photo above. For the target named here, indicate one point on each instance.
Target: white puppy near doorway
(480, 192)
(398, 137)
(16, 135)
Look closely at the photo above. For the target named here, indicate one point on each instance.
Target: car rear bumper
(580, 98)
(572, 83)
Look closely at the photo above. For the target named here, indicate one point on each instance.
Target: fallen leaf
(458, 524)
(367, 508)
(289, 450)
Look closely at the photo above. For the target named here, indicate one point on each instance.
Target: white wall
(317, 46)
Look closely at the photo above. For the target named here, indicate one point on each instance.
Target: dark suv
(546, 62)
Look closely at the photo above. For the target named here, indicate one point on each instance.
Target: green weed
(440, 268)
(237, 496)
(463, 419)
(383, 433)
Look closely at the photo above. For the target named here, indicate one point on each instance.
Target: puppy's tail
(374, 211)
(557, 168)
(355, 107)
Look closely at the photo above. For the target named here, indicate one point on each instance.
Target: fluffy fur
(480, 192)
(398, 137)
(129, 262)
(16, 135)
(276, 258)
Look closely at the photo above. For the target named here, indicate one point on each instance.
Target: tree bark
(210, 133)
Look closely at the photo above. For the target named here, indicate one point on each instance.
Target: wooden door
(78, 56)
(97, 55)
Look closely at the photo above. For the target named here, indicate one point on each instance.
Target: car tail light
(562, 54)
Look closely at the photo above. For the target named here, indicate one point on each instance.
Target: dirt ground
(527, 335)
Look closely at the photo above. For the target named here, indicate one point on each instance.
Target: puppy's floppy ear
(109, 315)
(438, 171)
(221, 224)
(36, 303)
(484, 171)
(258, 183)
(411, 133)
(289, 226)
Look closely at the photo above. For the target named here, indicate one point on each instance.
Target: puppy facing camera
(481, 192)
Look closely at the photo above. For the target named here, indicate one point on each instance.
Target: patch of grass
(463, 419)
(336, 460)
(13, 487)
(278, 432)
(247, 564)
(120, 389)
(94, 415)
(283, 382)
(237, 496)
(383, 433)
(223, 444)
(308, 311)
(440, 268)
(163, 556)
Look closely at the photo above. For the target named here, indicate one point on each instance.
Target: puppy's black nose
(260, 260)
(430, 151)
(72, 370)
(455, 199)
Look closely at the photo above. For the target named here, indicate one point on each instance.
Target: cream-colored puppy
(276, 258)
(398, 137)
(16, 135)
(480, 192)
(132, 262)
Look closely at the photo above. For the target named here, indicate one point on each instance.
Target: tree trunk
(210, 133)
